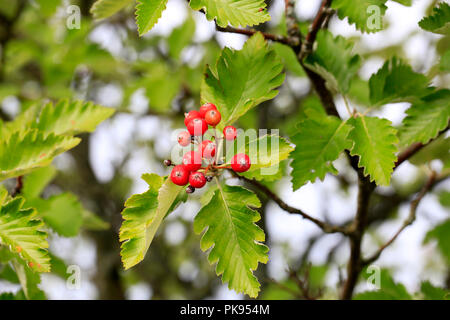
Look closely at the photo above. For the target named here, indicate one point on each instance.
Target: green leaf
(235, 12)
(357, 12)
(441, 233)
(437, 149)
(265, 152)
(396, 82)
(148, 13)
(234, 238)
(444, 64)
(21, 232)
(143, 215)
(374, 141)
(444, 198)
(431, 292)
(242, 79)
(105, 8)
(71, 117)
(289, 59)
(62, 212)
(404, 2)
(319, 141)
(29, 281)
(426, 118)
(36, 181)
(181, 37)
(334, 61)
(389, 289)
(23, 152)
(438, 21)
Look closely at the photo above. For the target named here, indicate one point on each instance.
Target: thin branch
(250, 32)
(408, 221)
(18, 188)
(321, 18)
(293, 30)
(326, 227)
(413, 149)
(365, 189)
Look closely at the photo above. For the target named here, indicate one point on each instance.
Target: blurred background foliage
(152, 81)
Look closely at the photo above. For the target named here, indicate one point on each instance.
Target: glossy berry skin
(191, 115)
(197, 127)
(179, 175)
(230, 133)
(167, 162)
(213, 117)
(240, 162)
(205, 108)
(197, 179)
(192, 161)
(184, 138)
(208, 149)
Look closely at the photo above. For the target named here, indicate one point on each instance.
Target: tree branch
(326, 227)
(250, 32)
(321, 18)
(365, 189)
(413, 149)
(18, 188)
(293, 31)
(408, 221)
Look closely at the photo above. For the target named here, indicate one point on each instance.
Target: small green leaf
(242, 79)
(71, 117)
(289, 59)
(105, 8)
(265, 152)
(397, 82)
(148, 13)
(319, 141)
(334, 60)
(181, 37)
(441, 233)
(23, 152)
(389, 289)
(359, 13)
(431, 292)
(22, 233)
(235, 12)
(426, 118)
(374, 141)
(233, 237)
(143, 215)
(439, 21)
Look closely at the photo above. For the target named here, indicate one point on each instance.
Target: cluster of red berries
(190, 170)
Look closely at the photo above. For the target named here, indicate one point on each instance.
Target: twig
(413, 149)
(365, 189)
(408, 221)
(293, 31)
(326, 227)
(320, 19)
(18, 188)
(250, 32)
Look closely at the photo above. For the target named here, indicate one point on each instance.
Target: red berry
(213, 117)
(240, 162)
(184, 138)
(230, 132)
(197, 179)
(179, 175)
(197, 127)
(191, 116)
(192, 161)
(205, 108)
(208, 149)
